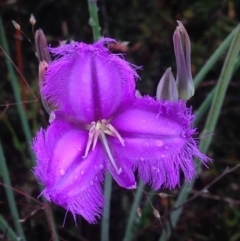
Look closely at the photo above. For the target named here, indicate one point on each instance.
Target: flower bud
(182, 48)
(44, 58)
(167, 88)
(41, 46)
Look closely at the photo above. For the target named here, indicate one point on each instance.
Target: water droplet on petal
(100, 166)
(82, 172)
(183, 134)
(95, 167)
(159, 143)
(96, 178)
(141, 159)
(61, 172)
(119, 171)
(162, 155)
(91, 183)
(166, 147)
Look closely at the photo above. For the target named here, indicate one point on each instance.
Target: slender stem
(107, 194)
(93, 20)
(106, 211)
(210, 125)
(132, 217)
(8, 233)
(10, 196)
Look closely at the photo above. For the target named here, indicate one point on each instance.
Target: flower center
(100, 128)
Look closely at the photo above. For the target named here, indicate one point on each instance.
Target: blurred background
(148, 26)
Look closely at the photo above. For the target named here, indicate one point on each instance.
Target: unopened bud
(16, 25)
(182, 48)
(41, 46)
(167, 88)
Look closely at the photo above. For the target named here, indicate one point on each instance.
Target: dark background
(148, 26)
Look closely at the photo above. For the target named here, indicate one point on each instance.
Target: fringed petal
(70, 180)
(158, 140)
(87, 81)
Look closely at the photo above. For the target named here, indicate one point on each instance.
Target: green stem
(133, 212)
(219, 95)
(10, 196)
(93, 20)
(106, 211)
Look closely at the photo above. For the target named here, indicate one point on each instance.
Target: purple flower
(100, 126)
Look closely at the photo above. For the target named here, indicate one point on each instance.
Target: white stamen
(90, 139)
(100, 128)
(105, 144)
(115, 133)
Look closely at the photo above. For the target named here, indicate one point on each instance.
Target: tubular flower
(100, 126)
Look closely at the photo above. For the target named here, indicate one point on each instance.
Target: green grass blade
(204, 107)
(214, 58)
(10, 195)
(237, 65)
(221, 88)
(8, 233)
